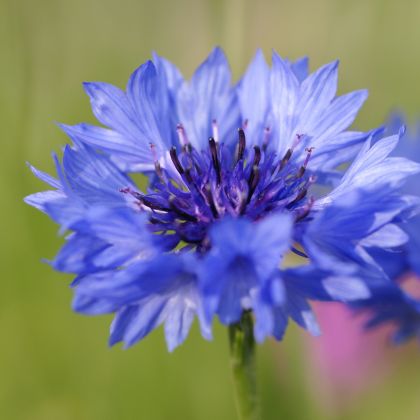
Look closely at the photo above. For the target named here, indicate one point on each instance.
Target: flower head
(239, 176)
(394, 302)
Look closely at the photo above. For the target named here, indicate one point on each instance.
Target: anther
(215, 159)
(210, 199)
(172, 202)
(257, 155)
(152, 204)
(298, 252)
(285, 159)
(301, 194)
(154, 221)
(240, 150)
(302, 169)
(188, 175)
(253, 181)
(300, 172)
(175, 160)
(243, 202)
(187, 148)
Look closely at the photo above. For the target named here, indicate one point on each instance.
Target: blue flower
(409, 147)
(404, 258)
(240, 176)
(390, 303)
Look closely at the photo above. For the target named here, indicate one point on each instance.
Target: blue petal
(242, 257)
(147, 316)
(119, 225)
(373, 167)
(284, 88)
(394, 263)
(342, 288)
(389, 236)
(41, 199)
(126, 153)
(413, 246)
(338, 232)
(178, 321)
(263, 243)
(92, 306)
(209, 96)
(300, 68)
(77, 253)
(253, 97)
(238, 280)
(280, 323)
(300, 311)
(270, 316)
(45, 177)
(150, 292)
(120, 324)
(93, 177)
(112, 108)
(316, 93)
(172, 75)
(315, 283)
(146, 91)
(339, 149)
(338, 116)
(65, 211)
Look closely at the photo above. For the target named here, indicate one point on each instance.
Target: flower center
(206, 185)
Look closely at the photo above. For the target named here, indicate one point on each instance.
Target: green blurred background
(55, 364)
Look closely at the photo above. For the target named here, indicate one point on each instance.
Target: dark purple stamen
(257, 155)
(302, 169)
(188, 176)
(175, 207)
(241, 145)
(253, 181)
(215, 158)
(298, 252)
(301, 194)
(285, 159)
(152, 204)
(187, 148)
(175, 160)
(210, 200)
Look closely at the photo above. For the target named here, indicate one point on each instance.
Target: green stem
(242, 355)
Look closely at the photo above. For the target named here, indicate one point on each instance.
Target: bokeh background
(55, 364)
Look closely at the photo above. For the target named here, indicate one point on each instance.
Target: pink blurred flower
(346, 360)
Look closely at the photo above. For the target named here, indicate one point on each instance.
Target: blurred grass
(55, 364)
